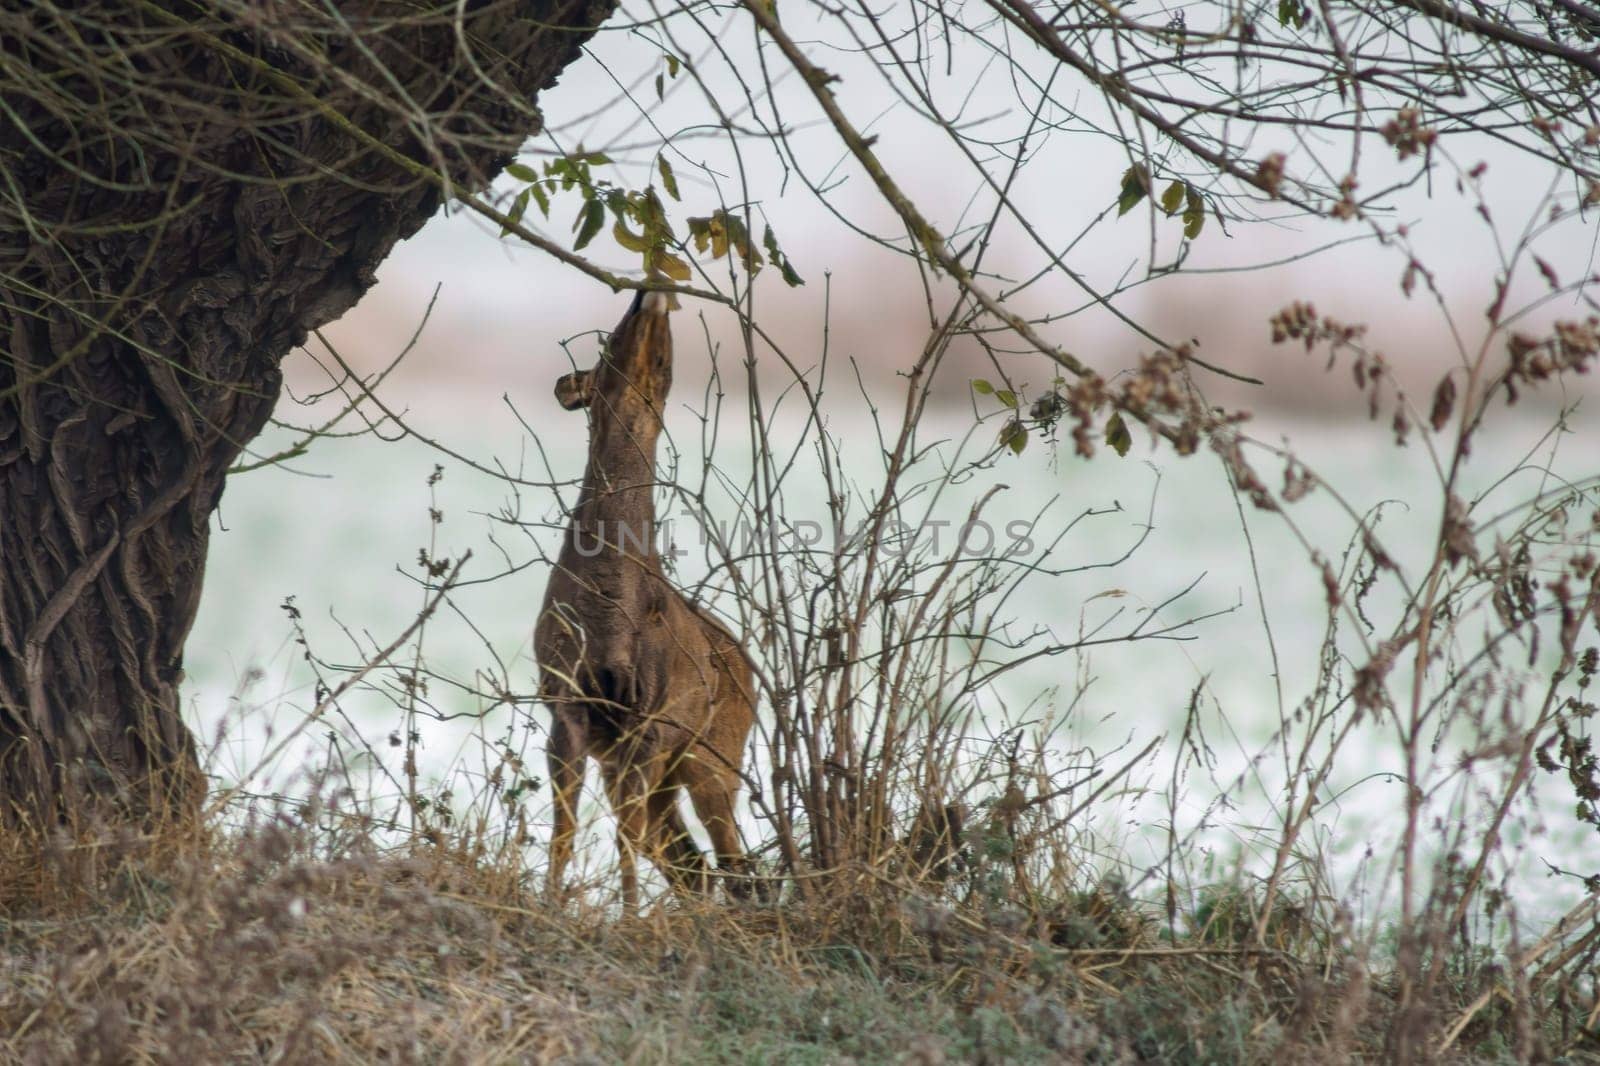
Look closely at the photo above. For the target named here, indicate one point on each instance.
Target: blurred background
(340, 528)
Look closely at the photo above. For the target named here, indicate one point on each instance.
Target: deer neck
(616, 512)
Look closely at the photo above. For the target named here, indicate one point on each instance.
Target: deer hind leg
(712, 789)
(679, 858)
(567, 751)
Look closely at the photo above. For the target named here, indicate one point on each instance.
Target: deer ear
(574, 390)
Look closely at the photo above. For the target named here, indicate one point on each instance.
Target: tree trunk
(183, 196)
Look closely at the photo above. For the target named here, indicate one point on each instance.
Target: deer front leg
(567, 751)
(629, 792)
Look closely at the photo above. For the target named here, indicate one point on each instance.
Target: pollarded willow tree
(188, 190)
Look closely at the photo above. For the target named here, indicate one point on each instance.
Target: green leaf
(982, 387)
(540, 198)
(1135, 186)
(1006, 396)
(672, 64)
(595, 159)
(513, 216)
(1117, 434)
(1194, 215)
(659, 87)
(590, 219)
(1172, 199)
(567, 171)
(1291, 12)
(1014, 436)
(791, 277)
(522, 172)
(617, 201)
(668, 181)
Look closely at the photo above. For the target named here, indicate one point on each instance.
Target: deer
(655, 689)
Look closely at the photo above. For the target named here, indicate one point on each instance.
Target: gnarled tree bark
(185, 191)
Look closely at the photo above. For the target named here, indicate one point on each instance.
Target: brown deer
(633, 673)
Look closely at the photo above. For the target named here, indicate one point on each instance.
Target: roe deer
(633, 673)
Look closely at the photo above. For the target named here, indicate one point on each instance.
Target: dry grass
(257, 949)
(266, 944)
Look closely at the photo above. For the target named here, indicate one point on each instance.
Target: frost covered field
(340, 530)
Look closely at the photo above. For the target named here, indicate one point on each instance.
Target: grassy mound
(270, 944)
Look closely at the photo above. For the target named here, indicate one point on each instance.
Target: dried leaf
(666, 263)
(1194, 214)
(1117, 435)
(1172, 199)
(1444, 402)
(630, 240)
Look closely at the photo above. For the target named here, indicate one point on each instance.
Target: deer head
(634, 372)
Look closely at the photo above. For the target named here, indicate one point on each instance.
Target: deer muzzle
(574, 390)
